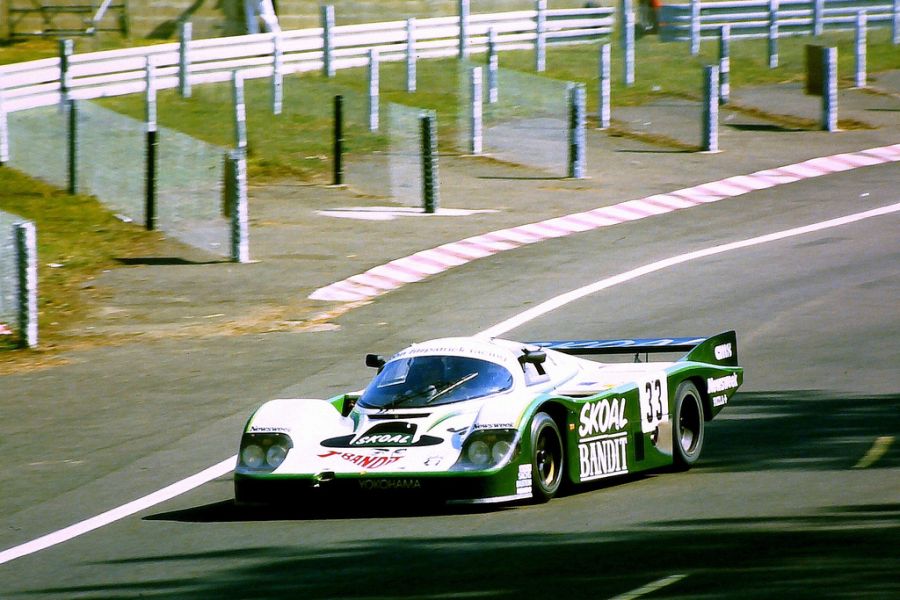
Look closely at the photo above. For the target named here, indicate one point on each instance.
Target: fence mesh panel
(528, 123)
(190, 203)
(37, 143)
(382, 163)
(395, 170)
(189, 176)
(112, 167)
(8, 272)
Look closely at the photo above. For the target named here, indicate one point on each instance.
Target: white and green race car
(478, 420)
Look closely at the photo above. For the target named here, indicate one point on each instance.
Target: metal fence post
(327, 16)
(818, 12)
(577, 134)
(475, 113)
(463, 29)
(277, 74)
(628, 62)
(860, 63)
(411, 55)
(72, 138)
(338, 140)
(710, 141)
(773, 34)
(185, 31)
(4, 129)
(603, 93)
(430, 179)
(66, 49)
(373, 89)
(152, 147)
(540, 36)
(895, 22)
(623, 7)
(26, 267)
(724, 64)
(695, 27)
(493, 63)
(237, 206)
(829, 90)
(240, 111)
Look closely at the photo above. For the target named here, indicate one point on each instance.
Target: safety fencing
(522, 120)
(188, 62)
(18, 279)
(109, 149)
(36, 96)
(696, 20)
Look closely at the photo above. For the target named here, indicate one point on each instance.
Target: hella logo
(724, 351)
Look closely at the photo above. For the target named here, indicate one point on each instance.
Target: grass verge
(77, 239)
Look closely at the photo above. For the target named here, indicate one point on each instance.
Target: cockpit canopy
(430, 380)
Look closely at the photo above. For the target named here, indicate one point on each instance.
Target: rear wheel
(546, 457)
(688, 429)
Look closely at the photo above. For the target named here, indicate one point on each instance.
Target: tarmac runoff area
(299, 245)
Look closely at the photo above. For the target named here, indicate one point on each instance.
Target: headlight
(486, 449)
(479, 453)
(263, 451)
(253, 456)
(275, 456)
(499, 450)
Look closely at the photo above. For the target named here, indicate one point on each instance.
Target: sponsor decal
(715, 385)
(523, 483)
(434, 461)
(494, 426)
(724, 351)
(258, 429)
(452, 350)
(367, 461)
(719, 400)
(603, 458)
(600, 417)
(384, 439)
(389, 484)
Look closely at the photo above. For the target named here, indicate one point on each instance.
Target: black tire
(687, 430)
(547, 458)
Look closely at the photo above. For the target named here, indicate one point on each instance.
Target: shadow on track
(800, 430)
(846, 552)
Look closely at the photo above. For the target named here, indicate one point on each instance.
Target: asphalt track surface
(795, 494)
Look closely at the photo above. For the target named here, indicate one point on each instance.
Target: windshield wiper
(451, 387)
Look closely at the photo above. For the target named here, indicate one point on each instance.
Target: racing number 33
(654, 403)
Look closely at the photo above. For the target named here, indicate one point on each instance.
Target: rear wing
(718, 350)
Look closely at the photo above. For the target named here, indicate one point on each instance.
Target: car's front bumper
(499, 486)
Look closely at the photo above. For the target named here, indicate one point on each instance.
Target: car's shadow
(227, 511)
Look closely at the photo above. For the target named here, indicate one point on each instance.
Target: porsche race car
(483, 420)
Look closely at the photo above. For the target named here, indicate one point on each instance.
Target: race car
(485, 420)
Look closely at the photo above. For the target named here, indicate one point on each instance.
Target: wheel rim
(689, 424)
(547, 458)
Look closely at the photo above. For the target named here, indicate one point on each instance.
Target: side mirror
(374, 361)
(534, 357)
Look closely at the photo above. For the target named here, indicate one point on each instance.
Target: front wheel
(546, 457)
(688, 430)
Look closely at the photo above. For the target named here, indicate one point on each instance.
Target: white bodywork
(309, 422)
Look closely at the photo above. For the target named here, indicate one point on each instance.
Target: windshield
(433, 380)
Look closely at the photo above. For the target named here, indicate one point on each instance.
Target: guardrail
(754, 18)
(117, 72)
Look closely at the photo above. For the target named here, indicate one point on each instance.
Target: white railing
(117, 72)
(753, 18)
